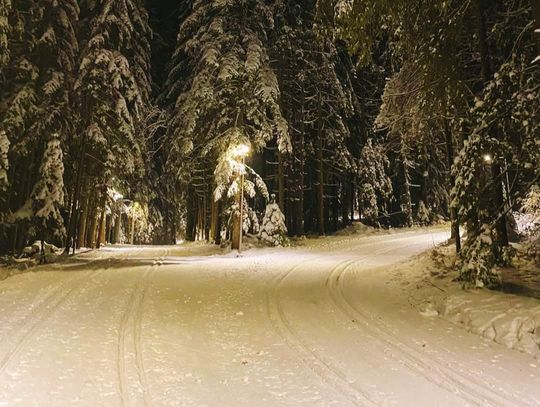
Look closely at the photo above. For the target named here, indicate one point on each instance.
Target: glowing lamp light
(488, 159)
(242, 150)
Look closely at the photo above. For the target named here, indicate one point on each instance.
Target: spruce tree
(112, 95)
(229, 97)
(5, 6)
(460, 99)
(37, 84)
(375, 185)
(317, 104)
(273, 229)
(48, 193)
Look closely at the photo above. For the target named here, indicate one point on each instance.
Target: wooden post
(132, 233)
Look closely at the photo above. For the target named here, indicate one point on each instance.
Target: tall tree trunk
(208, 214)
(103, 206)
(498, 193)
(237, 224)
(281, 182)
(117, 228)
(406, 201)
(454, 219)
(213, 220)
(191, 216)
(219, 223)
(132, 229)
(82, 224)
(72, 221)
(89, 223)
(352, 197)
(93, 228)
(320, 180)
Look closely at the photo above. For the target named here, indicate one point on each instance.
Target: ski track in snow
(45, 308)
(471, 390)
(293, 327)
(134, 313)
(323, 369)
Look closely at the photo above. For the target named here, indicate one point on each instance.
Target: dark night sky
(164, 19)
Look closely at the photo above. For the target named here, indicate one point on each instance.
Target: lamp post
(241, 151)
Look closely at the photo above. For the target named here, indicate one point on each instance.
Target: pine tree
(317, 104)
(112, 95)
(423, 214)
(274, 230)
(230, 96)
(5, 6)
(114, 73)
(48, 194)
(375, 185)
(37, 83)
(469, 103)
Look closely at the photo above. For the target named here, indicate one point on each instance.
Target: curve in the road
(316, 363)
(454, 381)
(321, 368)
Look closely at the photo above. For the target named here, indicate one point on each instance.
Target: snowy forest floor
(337, 321)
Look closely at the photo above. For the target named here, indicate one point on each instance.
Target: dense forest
(120, 120)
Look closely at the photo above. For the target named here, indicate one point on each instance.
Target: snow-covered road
(327, 324)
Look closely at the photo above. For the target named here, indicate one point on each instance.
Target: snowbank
(508, 319)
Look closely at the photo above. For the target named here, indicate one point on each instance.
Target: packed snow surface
(329, 323)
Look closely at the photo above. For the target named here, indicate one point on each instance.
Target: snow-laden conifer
(423, 215)
(231, 93)
(375, 185)
(5, 6)
(273, 228)
(36, 84)
(48, 193)
(113, 85)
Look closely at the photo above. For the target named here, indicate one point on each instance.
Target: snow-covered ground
(330, 323)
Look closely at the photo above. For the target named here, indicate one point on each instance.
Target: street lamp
(488, 159)
(241, 151)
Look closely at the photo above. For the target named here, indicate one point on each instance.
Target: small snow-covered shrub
(528, 219)
(477, 263)
(34, 249)
(368, 201)
(274, 230)
(423, 214)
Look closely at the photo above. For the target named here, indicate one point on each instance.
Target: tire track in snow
(324, 370)
(45, 309)
(133, 312)
(448, 378)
